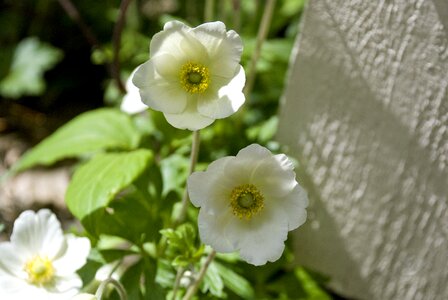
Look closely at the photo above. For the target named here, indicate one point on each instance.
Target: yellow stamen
(194, 78)
(40, 270)
(246, 201)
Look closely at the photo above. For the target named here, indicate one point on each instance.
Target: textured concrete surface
(366, 113)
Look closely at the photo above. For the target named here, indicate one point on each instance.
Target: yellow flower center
(40, 270)
(246, 201)
(194, 78)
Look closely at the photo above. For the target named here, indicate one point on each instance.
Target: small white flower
(194, 75)
(40, 262)
(132, 102)
(248, 203)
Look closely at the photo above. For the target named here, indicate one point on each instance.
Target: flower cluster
(193, 75)
(248, 203)
(40, 262)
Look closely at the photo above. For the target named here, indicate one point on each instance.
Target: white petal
(37, 233)
(228, 101)
(206, 188)
(211, 230)
(69, 285)
(160, 93)
(224, 48)
(284, 161)
(11, 262)
(294, 205)
(132, 102)
(254, 152)
(189, 119)
(145, 75)
(178, 40)
(272, 179)
(169, 39)
(260, 239)
(167, 65)
(11, 287)
(74, 257)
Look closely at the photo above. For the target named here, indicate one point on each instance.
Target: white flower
(132, 102)
(39, 262)
(194, 75)
(84, 296)
(248, 203)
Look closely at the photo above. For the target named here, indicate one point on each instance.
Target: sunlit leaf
(88, 133)
(97, 182)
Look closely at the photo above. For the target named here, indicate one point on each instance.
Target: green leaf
(127, 217)
(89, 132)
(235, 282)
(31, 59)
(310, 284)
(174, 170)
(97, 182)
(213, 282)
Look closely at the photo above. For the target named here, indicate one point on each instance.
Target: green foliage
(181, 248)
(31, 59)
(99, 180)
(88, 133)
(130, 171)
(235, 282)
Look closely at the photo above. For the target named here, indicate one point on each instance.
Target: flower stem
(261, 37)
(193, 159)
(117, 285)
(180, 273)
(194, 288)
(208, 10)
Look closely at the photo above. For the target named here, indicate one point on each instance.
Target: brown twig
(114, 67)
(73, 13)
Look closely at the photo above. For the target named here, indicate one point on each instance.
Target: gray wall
(366, 113)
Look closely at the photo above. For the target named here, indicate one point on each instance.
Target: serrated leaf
(97, 182)
(89, 132)
(235, 282)
(31, 59)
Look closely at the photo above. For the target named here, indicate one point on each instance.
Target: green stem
(193, 160)
(208, 10)
(117, 285)
(261, 37)
(194, 288)
(180, 273)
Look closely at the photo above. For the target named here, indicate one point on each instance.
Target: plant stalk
(117, 285)
(194, 288)
(193, 159)
(261, 37)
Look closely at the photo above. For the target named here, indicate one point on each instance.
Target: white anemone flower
(40, 262)
(248, 203)
(193, 75)
(132, 102)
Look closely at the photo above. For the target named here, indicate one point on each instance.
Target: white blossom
(132, 102)
(40, 262)
(248, 203)
(193, 75)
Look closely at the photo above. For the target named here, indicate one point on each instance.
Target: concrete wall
(366, 113)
